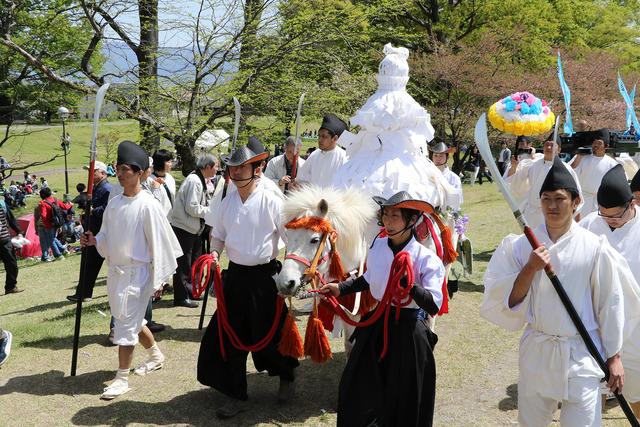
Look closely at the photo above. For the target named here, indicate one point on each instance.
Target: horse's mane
(350, 212)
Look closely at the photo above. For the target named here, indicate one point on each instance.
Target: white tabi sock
(122, 374)
(154, 353)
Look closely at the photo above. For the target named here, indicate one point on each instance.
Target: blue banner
(627, 100)
(630, 112)
(566, 93)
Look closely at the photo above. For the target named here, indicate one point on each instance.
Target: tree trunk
(184, 149)
(148, 69)
(252, 17)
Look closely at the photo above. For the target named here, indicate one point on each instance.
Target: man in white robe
(280, 168)
(554, 363)
(526, 179)
(141, 250)
(322, 164)
(591, 168)
(618, 220)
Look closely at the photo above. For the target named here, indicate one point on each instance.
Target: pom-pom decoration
(521, 113)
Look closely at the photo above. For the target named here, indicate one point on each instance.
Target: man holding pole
(555, 364)
(280, 168)
(137, 242)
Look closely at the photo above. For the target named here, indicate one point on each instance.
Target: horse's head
(310, 213)
(304, 237)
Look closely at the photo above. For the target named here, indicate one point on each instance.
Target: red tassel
(316, 343)
(367, 302)
(290, 339)
(336, 269)
(450, 254)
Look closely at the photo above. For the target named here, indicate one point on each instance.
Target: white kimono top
(276, 169)
(428, 270)
(590, 172)
(551, 350)
(250, 231)
(321, 166)
(136, 231)
(525, 185)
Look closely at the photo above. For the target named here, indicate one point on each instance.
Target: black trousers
(92, 264)
(10, 265)
(398, 390)
(191, 246)
(250, 294)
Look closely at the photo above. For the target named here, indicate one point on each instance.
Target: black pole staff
(236, 128)
(83, 263)
(482, 142)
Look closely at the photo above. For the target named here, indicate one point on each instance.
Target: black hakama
(398, 390)
(250, 294)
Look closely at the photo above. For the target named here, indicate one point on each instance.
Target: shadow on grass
(71, 311)
(55, 382)
(66, 342)
(483, 256)
(62, 343)
(510, 403)
(465, 286)
(198, 407)
(42, 307)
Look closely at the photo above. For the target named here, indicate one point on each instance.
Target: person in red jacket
(43, 215)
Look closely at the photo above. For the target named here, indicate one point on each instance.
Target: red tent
(28, 225)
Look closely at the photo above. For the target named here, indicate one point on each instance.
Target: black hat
(256, 146)
(559, 178)
(403, 200)
(635, 182)
(614, 189)
(244, 155)
(333, 124)
(440, 147)
(130, 153)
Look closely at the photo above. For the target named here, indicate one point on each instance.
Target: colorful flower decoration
(521, 114)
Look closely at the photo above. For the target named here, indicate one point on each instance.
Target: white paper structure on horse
(389, 153)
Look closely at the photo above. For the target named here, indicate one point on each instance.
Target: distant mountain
(172, 61)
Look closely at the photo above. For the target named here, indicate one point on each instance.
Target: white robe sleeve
(501, 274)
(271, 171)
(101, 238)
(432, 274)
(163, 244)
(608, 301)
(519, 182)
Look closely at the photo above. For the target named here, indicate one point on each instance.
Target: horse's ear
(323, 207)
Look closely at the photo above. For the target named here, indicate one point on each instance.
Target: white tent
(212, 138)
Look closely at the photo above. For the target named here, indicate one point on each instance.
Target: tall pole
(83, 275)
(65, 147)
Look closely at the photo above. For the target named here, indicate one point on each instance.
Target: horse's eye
(315, 240)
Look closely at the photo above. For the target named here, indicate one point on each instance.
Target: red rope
(197, 271)
(224, 326)
(394, 294)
